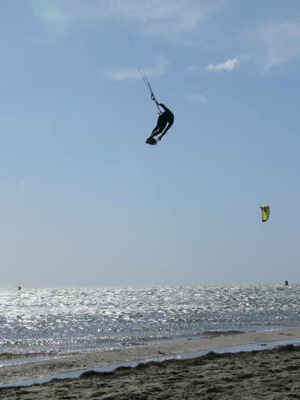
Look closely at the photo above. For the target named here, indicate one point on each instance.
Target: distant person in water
(164, 123)
(286, 283)
(19, 288)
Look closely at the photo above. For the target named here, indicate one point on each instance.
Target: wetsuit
(164, 122)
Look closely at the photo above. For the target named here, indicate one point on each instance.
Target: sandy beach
(261, 374)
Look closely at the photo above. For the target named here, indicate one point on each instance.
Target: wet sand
(264, 374)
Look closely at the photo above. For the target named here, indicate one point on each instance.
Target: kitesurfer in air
(164, 123)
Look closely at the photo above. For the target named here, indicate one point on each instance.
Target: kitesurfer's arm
(163, 106)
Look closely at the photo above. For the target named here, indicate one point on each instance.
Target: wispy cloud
(196, 98)
(7, 186)
(51, 15)
(13, 186)
(274, 44)
(123, 74)
(170, 18)
(268, 44)
(228, 65)
(22, 185)
(166, 18)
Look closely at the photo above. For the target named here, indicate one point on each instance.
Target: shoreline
(111, 368)
(31, 370)
(260, 375)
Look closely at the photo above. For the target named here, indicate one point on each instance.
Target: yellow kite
(265, 212)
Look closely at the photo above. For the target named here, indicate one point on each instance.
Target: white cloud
(7, 186)
(275, 44)
(123, 74)
(228, 65)
(51, 15)
(10, 186)
(196, 98)
(166, 18)
(22, 185)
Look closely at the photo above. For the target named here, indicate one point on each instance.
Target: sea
(70, 320)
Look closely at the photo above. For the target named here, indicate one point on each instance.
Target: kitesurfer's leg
(160, 126)
(159, 129)
(156, 129)
(155, 133)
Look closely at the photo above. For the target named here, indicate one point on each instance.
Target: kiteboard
(151, 141)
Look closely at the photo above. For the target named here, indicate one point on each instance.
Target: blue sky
(85, 202)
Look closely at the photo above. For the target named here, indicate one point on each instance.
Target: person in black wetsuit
(164, 123)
